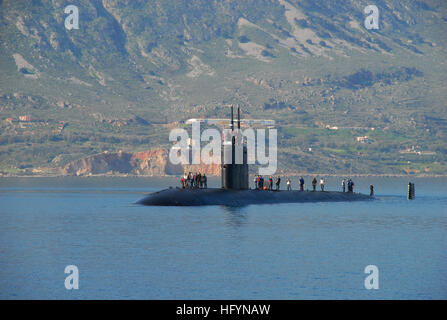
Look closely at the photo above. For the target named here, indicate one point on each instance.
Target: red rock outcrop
(151, 162)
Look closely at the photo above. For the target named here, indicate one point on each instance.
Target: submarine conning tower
(234, 167)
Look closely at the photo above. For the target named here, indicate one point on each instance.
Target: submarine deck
(218, 196)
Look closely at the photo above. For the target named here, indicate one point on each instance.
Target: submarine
(235, 190)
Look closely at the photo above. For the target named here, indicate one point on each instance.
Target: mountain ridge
(313, 64)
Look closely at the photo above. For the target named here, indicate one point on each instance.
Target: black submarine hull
(228, 197)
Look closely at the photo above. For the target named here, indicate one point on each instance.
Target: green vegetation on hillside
(135, 67)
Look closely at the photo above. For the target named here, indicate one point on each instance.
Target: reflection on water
(235, 216)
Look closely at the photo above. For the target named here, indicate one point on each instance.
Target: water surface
(286, 251)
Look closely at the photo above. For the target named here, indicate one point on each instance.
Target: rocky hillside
(133, 67)
(151, 163)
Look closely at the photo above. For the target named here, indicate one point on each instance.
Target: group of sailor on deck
(198, 180)
(260, 184)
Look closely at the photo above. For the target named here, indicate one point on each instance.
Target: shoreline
(387, 175)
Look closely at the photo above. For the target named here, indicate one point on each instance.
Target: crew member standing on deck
(289, 186)
(199, 179)
(185, 180)
(301, 184)
(314, 184)
(350, 185)
(204, 181)
(278, 181)
(188, 180)
(270, 183)
(322, 184)
(343, 185)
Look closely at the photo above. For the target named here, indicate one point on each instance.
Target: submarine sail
(234, 174)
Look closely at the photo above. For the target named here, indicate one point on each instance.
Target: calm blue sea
(286, 251)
